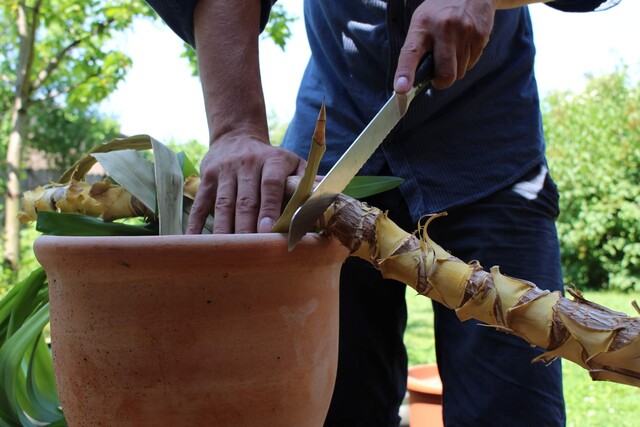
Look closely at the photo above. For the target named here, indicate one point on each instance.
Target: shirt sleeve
(178, 15)
(582, 5)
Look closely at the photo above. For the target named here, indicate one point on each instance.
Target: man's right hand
(243, 181)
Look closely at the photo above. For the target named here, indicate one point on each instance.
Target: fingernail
(265, 225)
(402, 84)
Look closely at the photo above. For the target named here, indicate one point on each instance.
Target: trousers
(488, 378)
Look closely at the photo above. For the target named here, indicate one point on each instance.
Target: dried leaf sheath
(603, 341)
(100, 199)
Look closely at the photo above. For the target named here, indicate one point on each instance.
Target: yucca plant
(604, 342)
(140, 198)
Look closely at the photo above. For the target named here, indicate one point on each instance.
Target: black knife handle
(425, 71)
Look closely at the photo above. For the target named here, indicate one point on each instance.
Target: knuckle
(420, 20)
(410, 48)
(224, 203)
(249, 160)
(272, 183)
(198, 209)
(208, 174)
(246, 204)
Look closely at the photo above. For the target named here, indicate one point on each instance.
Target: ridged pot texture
(217, 330)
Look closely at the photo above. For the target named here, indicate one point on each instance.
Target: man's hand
(243, 176)
(456, 31)
(243, 181)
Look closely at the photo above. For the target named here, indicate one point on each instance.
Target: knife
(356, 155)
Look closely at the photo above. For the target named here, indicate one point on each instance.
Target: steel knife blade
(356, 155)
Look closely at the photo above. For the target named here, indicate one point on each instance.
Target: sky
(159, 96)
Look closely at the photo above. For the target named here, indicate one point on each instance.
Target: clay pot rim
(418, 382)
(249, 238)
(202, 243)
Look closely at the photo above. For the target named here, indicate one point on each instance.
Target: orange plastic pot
(425, 396)
(225, 330)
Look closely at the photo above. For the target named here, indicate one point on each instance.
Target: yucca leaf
(12, 353)
(65, 224)
(41, 388)
(80, 169)
(26, 302)
(365, 186)
(6, 305)
(169, 184)
(188, 169)
(133, 172)
(21, 351)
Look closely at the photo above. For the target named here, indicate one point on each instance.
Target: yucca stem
(603, 341)
(101, 199)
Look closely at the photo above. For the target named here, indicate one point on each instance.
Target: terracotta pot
(425, 396)
(193, 330)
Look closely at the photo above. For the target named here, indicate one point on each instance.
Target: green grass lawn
(589, 403)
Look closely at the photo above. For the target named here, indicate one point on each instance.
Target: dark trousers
(488, 378)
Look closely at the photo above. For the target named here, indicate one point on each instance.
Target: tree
(65, 134)
(55, 52)
(594, 154)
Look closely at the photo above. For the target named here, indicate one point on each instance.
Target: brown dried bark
(603, 341)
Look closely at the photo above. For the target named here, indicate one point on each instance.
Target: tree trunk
(19, 117)
(12, 195)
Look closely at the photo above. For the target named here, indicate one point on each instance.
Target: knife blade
(356, 155)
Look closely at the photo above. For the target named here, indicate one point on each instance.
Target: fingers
(225, 205)
(272, 192)
(202, 206)
(247, 201)
(455, 31)
(415, 46)
(244, 192)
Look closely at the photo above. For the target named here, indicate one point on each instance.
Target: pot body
(425, 396)
(219, 330)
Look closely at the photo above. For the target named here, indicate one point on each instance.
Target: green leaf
(28, 395)
(188, 168)
(65, 224)
(41, 387)
(12, 354)
(365, 186)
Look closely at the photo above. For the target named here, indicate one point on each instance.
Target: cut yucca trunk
(603, 341)
(101, 199)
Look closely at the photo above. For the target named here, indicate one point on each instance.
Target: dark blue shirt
(454, 146)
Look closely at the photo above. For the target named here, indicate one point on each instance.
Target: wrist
(245, 130)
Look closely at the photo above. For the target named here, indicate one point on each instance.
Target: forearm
(226, 35)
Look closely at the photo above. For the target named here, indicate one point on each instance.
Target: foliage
(66, 133)
(278, 26)
(594, 153)
(277, 129)
(28, 395)
(72, 62)
(192, 149)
